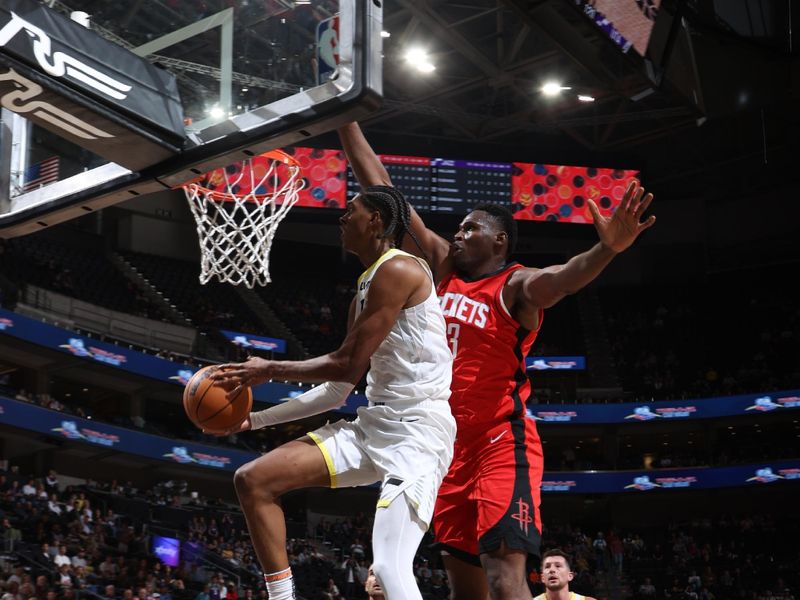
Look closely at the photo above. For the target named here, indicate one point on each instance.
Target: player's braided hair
(395, 212)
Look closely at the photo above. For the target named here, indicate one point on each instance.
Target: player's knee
(501, 586)
(253, 482)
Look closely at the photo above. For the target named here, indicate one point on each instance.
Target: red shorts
(491, 493)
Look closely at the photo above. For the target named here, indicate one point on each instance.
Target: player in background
(403, 439)
(556, 576)
(373, 587)
(487, 519)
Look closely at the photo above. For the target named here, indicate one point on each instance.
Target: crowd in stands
(721, 339)
(93, 540)
(79, 271)
(667, 342)
(720, 558)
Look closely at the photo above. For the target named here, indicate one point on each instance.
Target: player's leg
(455, 526)
(509, 523)
(467, 580)
(261, 483)
(506, 573)
(396, 535)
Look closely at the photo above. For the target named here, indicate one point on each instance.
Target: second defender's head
(556, 570)
(487, 234)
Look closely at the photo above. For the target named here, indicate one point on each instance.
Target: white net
(237, 213)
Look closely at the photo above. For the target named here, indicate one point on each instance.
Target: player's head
(556, 570)
(486, 232)
(372, 586)
(393, 209)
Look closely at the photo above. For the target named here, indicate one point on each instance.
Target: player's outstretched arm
(391, 288)
(369, 171)
(367, 167)
(544, 287)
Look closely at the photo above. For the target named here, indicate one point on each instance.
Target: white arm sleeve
(317, 400)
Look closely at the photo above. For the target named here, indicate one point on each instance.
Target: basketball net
(237, 211)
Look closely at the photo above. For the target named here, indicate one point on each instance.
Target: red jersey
(489, 375)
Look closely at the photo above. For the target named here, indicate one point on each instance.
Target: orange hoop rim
(273, 155)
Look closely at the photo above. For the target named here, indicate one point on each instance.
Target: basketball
(208, 406)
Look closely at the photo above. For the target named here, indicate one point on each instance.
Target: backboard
(249, 76)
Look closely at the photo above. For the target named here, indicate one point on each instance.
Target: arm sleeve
(317, 400)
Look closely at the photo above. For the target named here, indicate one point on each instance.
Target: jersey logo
(497, 437)
(21, 100)
(523, 515)
(60, 64)
(467, 310)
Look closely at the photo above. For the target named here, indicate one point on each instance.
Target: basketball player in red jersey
(487, 512)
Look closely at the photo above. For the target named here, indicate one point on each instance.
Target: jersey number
(453, 330)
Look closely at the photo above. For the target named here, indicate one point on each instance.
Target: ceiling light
(385, 34)
(551, 88)
(585, 98)
(418, 58)
(216, 112)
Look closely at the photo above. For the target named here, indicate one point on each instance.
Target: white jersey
(404, 438)
(414, 361)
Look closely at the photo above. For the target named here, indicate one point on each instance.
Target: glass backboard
(249, 76)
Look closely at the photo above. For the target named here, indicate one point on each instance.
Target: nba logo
(327, 48)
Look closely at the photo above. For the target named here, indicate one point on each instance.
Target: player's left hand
(235, 376)
(621, 229)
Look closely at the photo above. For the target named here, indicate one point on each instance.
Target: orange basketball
(208, 406)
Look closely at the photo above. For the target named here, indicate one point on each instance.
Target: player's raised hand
(620, 230)
(235, 376)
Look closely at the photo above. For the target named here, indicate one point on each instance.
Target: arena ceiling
(714, 113)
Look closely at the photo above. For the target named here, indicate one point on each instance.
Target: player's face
(478, 239)
(354, 224)
(372, 586)
(555, 573)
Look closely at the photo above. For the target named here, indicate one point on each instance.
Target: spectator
(11, 536)
(61, 557)
(331, 591)
(204, 593)
(647, 589)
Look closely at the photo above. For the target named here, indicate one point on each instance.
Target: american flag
(41, 173)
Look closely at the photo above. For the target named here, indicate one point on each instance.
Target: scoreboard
(458, 185)
(532, 191)
(409, 174)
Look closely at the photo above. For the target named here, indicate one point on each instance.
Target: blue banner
(110, 355)
(555, 363)
(668, 410)
(608, 482)
(64, 426)
(248, 341)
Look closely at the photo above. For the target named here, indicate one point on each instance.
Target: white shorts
(408, 450)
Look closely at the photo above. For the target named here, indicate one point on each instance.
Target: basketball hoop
(237, 211)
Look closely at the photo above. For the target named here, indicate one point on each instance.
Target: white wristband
(317, 400)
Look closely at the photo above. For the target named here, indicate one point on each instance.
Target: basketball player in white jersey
(403, 439)
(556, 575)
